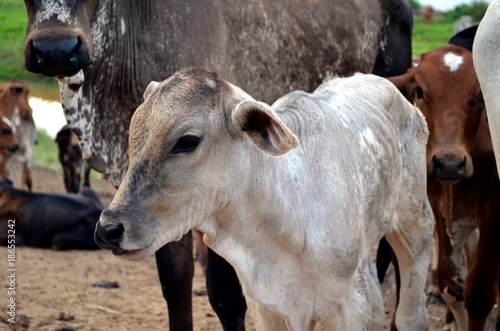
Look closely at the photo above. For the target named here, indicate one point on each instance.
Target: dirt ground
(54, 289)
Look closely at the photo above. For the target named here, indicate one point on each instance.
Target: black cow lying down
(49, 220)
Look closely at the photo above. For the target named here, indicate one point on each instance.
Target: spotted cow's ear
(263, 126)
(150, 89)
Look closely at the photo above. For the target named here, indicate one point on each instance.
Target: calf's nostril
(114, 233)
(108, 236)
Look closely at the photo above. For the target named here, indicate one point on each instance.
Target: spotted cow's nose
(108, 236)
(54, 57)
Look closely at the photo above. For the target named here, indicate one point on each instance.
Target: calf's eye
(185, 144)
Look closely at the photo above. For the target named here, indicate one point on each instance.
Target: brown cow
(14, 106)
(427, 15)
(8, 142)
(463, 184)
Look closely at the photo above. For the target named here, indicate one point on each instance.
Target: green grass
(427, 37)
(45, 152)
(12, 31)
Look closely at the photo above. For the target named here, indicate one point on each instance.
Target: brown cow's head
(445, 88)
(58, 38)
(14, 106)
(8, 139)
(15, 95)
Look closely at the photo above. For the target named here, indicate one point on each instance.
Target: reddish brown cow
(463, 184)
(14, 106)
(8, 142)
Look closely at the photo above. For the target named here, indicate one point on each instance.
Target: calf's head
(190, 146)
(58, 38)
(444, 86)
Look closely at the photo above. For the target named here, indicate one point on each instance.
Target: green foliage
(475, 10)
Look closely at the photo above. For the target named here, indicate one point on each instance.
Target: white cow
(486, 55)
(298, 228)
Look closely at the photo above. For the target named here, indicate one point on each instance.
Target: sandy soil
(54, 289)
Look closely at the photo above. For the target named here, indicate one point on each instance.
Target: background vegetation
(14, 20)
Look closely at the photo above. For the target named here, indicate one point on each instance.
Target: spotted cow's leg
(225, 293)
(176, 270)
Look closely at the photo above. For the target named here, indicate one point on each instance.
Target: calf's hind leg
(410, 239)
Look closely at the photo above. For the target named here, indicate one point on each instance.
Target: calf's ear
(150, 89)
(405, 84)
(263, 127)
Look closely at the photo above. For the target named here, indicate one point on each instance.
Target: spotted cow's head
(66, 39)
(58, 40)
(444, 86)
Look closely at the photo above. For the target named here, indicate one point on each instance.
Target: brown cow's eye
(474, 102)
(185, 144)
(16, 90)
(419, 92)
(6, 132)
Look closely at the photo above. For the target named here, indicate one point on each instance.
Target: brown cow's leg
(481, 284)
(451, 268)
(176, 270)
(450, 274)
(433, 292)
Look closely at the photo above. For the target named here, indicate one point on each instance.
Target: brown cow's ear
(263, 127)
(405, 84)
(150, 89)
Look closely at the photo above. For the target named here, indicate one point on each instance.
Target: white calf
(298, 228)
